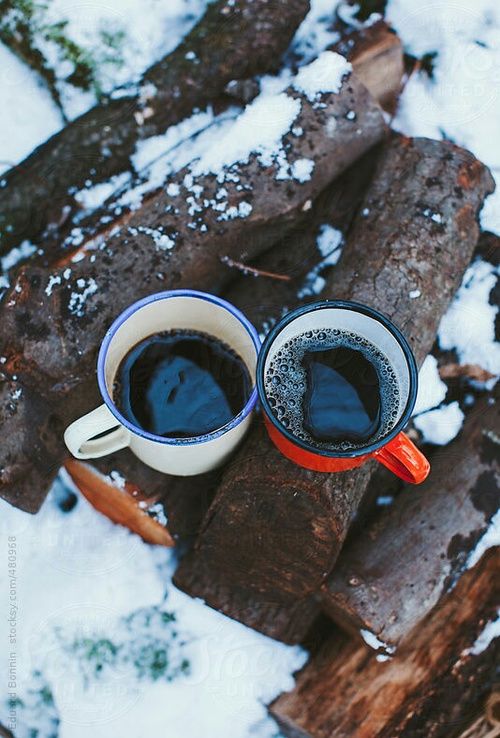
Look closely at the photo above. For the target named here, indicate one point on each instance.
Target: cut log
(232, 40)
(430, 689)
(369, 48)
(285, 619)
(392, 575)
(52, 324)
(415, 232)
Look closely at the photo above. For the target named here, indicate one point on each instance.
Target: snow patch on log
(92, 197)
(323, 75)
(490, 632)
(488, 540)
(431, 388)
(469, 324)
(329, 242)
(258, 130)
(378, 645)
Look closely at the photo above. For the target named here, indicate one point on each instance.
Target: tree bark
(390, 577)
(431, 688)
(53, 323)
(275, 527)
(231, 41)
(286, 619)
(264, 299)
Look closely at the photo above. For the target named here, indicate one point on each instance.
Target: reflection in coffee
(181, 384)
(334, 389)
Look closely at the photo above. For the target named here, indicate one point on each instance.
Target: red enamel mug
(394, 449)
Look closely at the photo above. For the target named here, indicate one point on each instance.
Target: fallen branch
(232, 40)
(392, 575)
(123, 503)
(345, 692)
(285, 525)
(253, 270)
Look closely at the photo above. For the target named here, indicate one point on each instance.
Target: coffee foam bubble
(285, 383)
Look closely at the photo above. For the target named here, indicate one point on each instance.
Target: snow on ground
(118, 649)
(29, 115)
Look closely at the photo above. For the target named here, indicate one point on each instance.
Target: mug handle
(79, 436)
(404, 459)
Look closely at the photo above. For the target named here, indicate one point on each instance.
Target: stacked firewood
(267, 537)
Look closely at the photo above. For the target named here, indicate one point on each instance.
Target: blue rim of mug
(124, 316)
(365, 310)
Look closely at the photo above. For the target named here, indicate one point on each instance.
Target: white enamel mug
(164, 311)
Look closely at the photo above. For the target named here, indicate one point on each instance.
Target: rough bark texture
(275, 527)
(391, 576)
(232, 40)
(286, 619)
(264, 299)
(431, 688)
(53, 324)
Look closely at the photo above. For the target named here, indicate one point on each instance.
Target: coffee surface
(333, 389)
(181, 384)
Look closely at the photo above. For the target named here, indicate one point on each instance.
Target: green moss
(25, 26)
(146, 640)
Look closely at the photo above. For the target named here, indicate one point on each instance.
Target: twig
(253, 270)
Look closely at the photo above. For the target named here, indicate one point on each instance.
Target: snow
(157, 157)
(490, 632)
(23, 251)
(490, 538)
(302, 169)
(84, 589)
(440, 426)
(145, 30)
(258, 130)
(374, 642)
(29, 115)
(329, 242)
(315, 32)
(469, 324)
(77, 300)
(92, 197)
(461, 100)
(323, 75)
(431, 388)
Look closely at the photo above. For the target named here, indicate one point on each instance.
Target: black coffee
(181, 384)
(333, 388)
(342, 398)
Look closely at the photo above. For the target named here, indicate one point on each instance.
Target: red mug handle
(404, 459)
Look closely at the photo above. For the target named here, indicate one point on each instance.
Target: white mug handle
(79, 436)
